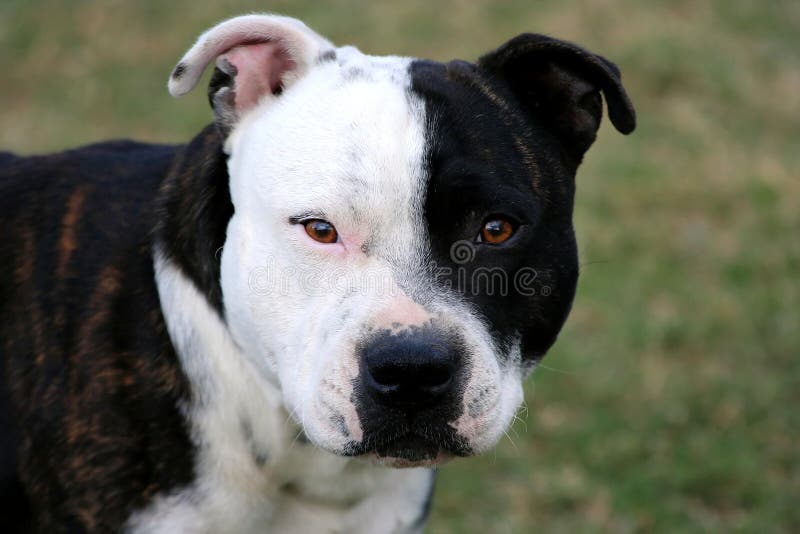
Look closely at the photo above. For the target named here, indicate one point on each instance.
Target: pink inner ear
(260, 68)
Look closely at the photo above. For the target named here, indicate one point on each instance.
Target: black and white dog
(350, 271)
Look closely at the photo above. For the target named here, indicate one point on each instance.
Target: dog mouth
(409, 449)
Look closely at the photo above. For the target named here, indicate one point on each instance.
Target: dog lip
(441, 458)
(407, 451)
(410, 446)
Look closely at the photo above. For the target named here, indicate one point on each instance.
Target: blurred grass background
(672, 400)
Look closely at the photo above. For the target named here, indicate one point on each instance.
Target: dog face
(401, 252)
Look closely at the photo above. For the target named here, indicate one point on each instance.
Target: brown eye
(496, 231)
(321, 231)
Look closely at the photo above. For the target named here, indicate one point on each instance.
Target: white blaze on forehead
(346, 141)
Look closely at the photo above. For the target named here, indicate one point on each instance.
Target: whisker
(555, 369)
(512, 443)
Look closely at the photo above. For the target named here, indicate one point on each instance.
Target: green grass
(671, 401)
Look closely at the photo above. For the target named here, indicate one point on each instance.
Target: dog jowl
(252, 331)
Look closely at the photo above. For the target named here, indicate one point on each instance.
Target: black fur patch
(328, 55)
(194, 207)
(487, 158)
(505, 137)
(179, 71)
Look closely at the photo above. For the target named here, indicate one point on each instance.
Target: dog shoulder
(85, 358)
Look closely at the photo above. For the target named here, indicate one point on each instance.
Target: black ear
(560, 83)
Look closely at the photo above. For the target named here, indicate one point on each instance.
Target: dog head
(401, 252)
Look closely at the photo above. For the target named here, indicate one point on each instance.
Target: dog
(350, 271)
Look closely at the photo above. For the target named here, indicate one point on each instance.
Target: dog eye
(321, 231)
(496, 230)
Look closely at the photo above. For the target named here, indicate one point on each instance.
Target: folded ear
(257, 56)
(559, 83)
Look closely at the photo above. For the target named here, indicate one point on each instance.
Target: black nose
(409, 371)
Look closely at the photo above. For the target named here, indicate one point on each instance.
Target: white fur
(300, 488)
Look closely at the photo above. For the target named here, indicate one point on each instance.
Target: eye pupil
(497, 231)
(321, 231)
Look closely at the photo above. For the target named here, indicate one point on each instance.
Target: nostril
(424, 375)
(435, 374)
(409, 386)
